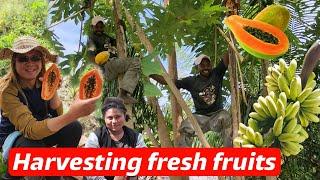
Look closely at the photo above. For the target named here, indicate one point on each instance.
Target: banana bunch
(293, 134)
(310, 103)
(248, 138)
(282, 78)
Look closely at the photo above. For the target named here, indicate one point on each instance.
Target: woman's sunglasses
(24, 58)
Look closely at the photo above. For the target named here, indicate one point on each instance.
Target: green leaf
(150, 66)
(151, 89)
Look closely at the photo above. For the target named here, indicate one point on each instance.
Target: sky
(68, 34)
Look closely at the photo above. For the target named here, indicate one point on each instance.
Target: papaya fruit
(102, 57)
(50, 82)
(90, 85)
(258, 38)
(275, 15)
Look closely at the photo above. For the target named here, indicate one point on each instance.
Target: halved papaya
(50, 83)
(260, 39)
(90, 84)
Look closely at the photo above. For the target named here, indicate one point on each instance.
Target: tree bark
(143, 38)
(175, 108)
(233, 6)
(121, 48)
(120, 34)
(264, 69)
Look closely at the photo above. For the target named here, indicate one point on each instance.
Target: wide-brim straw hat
(25, 44)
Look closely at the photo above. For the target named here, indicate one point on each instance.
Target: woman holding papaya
(27, 120)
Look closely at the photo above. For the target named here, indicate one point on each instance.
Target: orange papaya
(90, 84)
(258, 38)
(50, 83)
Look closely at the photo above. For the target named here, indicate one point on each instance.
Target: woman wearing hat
(114, 134)
(26, 119)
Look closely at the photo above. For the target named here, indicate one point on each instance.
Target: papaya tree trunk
(264, 69)
(162, 127)
(120, 36)
(233, 6)
(143, 38)
(175, 108)
(121, 48)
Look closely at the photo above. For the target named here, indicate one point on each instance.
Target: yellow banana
(300, 139)
(258, 139)
(242, 128)
(295, 88)
(304, 94)
(292, 147)
(311, 117)
(248, 146)
(285, 137)
(283, 85)
(291, 70)
(283, 98)
(272, 107)
(311, 76)
(257, 107)
(272, 88)
(271, 80)
(256, 116)
(303, 120)
(275, 73)
(250, 134)
(277, 126)
(281, 109)
(263, 103)
(273, 96)
(269, 70)
(304, 133)
(311, 103)
(282, 66)
(292, 111)
(290, 125)
(285, 152)
(297, 129)
(253, 124)
(312, 84)
(314, 110)
(314, 94)
(239, 141)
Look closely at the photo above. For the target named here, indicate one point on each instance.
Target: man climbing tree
(102, 51)
(205, 89)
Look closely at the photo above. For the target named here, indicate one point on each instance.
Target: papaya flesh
(260, 39)
(275, 15)
(50, 82)
(90, 85)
